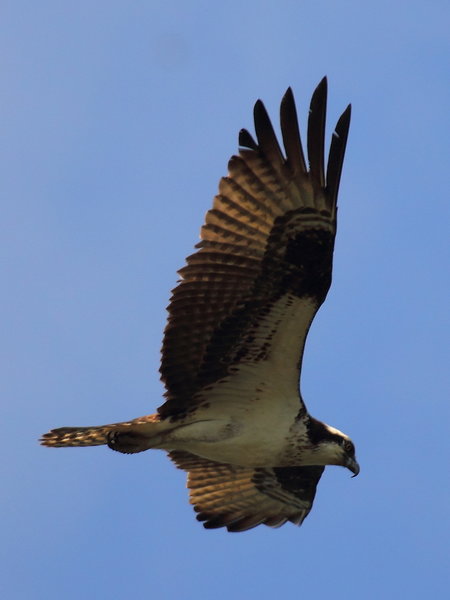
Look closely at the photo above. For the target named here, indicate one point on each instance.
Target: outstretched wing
(263, 265)
(240, 498)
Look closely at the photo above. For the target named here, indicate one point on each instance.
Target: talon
(126, 441)
(112, 439)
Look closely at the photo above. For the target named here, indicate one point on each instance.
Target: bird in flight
(234, 418)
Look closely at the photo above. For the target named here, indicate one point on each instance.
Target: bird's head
(331, 447)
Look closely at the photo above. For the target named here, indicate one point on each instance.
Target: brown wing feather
(240, 498)
(316, 133)
(270, 233)
(337, 151)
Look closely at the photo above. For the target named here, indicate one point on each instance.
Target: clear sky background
(117, 120)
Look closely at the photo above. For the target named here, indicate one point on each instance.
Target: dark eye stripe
(349, 447)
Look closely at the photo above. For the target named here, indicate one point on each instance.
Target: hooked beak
(353, 466)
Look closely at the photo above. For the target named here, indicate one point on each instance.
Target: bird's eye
(349, 447)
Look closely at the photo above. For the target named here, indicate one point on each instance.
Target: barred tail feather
(128, 436)
(77, 436)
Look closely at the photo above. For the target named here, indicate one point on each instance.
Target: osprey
(234, 418)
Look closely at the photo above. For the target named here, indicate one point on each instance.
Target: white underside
(250, 417)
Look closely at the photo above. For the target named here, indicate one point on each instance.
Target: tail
(128, 436)
(79, 436)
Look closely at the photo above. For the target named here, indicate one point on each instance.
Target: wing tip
(246, 140)
(337, 153)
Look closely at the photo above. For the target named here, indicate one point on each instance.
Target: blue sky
(118, 119)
